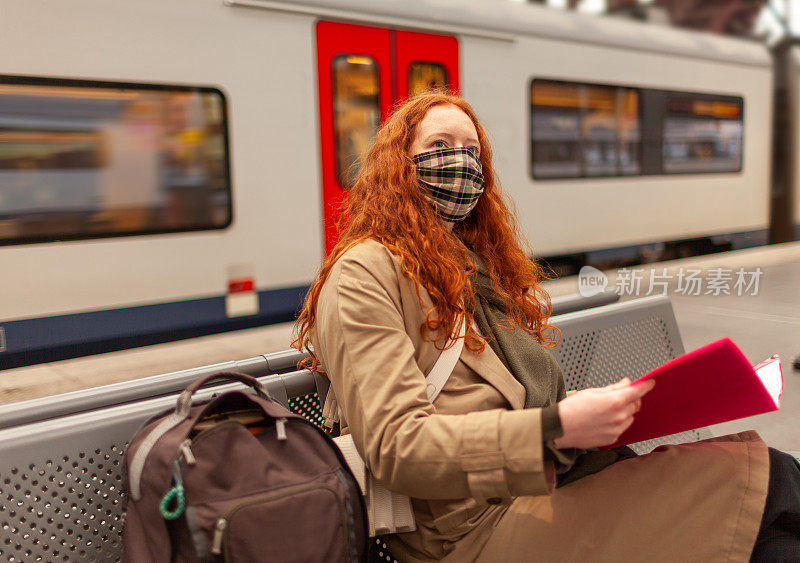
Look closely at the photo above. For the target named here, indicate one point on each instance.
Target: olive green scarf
(521, 353)
(539, 374)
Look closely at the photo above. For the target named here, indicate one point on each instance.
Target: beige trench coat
(473, 461)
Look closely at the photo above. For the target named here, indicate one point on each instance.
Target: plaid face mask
(453, 180)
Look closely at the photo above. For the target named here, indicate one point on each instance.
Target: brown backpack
(239, 478)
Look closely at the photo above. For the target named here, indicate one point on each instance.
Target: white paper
(771, 376)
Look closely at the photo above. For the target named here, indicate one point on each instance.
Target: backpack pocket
(284, 525)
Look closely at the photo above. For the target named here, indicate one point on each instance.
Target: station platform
(763, 318)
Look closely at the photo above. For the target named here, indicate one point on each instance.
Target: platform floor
(762, 325)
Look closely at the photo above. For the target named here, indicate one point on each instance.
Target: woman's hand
(596, 417)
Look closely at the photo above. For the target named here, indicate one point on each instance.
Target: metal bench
(61, 496)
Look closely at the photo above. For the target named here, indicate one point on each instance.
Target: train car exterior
(173, 169)
(648, 198)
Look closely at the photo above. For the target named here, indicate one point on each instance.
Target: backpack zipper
(186, 452)
(280, 428)
(219, 531)
(186, 446)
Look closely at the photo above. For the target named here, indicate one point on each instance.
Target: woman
(428, 242)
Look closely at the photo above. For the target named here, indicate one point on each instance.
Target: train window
(356, 112)
(589, 130)
(702, 134)
(81, 159)
(583, 130)
(424, 76)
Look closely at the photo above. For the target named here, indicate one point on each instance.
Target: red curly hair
(386, 204)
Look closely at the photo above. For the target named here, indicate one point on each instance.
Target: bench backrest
(61, 477)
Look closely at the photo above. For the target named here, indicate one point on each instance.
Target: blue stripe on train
(30, 341)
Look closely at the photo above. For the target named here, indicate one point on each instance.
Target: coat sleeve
(361, 339)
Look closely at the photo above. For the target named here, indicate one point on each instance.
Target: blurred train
(171, 169)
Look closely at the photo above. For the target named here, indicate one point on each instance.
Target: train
(173, 169)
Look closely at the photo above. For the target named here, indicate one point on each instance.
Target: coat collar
(488, 366)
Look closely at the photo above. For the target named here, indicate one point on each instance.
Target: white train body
(263, 57)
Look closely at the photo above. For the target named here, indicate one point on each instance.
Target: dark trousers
(779, 536)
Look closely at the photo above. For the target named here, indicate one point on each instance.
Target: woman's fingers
(596, 417)
(634, 393)
(623, 383)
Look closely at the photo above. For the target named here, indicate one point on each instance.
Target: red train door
(424, 61)
(362, 71)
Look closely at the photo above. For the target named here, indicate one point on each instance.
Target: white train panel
(565, 215)
(272, 134)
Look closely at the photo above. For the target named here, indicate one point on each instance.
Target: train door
(362, 72)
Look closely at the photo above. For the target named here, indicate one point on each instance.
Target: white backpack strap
(441, 370)
(330, 410)
(436, 378)
(348, 449)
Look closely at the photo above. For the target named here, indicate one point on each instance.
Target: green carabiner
(175, 494)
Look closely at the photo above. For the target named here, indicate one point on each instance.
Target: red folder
(709, 385)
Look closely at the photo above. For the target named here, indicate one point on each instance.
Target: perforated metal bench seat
(61, 457)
